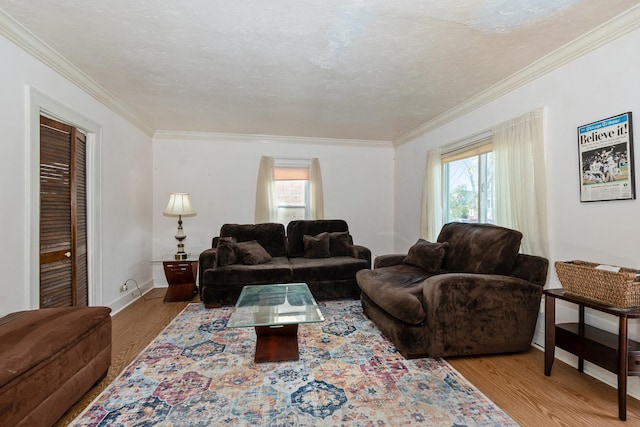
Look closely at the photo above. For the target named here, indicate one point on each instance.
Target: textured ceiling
(352, 69)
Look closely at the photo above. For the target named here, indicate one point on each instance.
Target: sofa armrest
(388, 260)
(361, 252)
(480, 313)
(206, 261)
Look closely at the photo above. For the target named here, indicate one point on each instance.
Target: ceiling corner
(26, 40)
(598, 37)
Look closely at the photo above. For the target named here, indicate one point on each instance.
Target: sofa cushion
(316, 246)
(340, 243)
(297, 229)
(252, 253)
(277, 270)
(397, 290)
(427, 255)
(226, 251)
(270, 236)
(479, 248)
(325, 269)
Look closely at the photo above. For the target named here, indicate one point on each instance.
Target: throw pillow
(252, 253)
(316, 246)
(226, 251)
(339, 244)
(427, 255)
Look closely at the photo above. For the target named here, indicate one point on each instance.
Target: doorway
(42, 105)
(63, 215)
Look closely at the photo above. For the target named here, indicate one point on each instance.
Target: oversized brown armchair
(469, 293)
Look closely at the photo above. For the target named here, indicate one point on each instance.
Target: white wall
(125, 206)
(598, 85)
(220, 173)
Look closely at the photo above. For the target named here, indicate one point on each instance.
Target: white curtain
(316, 204)
(265, 192)
(518, 149)
(431, 213)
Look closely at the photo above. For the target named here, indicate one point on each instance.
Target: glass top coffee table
(275, 311)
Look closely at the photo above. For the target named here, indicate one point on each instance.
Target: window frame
(480, 146)
(296, 168)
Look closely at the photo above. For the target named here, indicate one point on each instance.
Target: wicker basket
(621, 289)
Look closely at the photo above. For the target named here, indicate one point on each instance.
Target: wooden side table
(615, 353)
(181, 277)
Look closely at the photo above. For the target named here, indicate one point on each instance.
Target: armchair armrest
(480, 313)
(361, 252)
(388, 260)
(531, 268)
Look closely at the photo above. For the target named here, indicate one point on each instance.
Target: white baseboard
(130, 296)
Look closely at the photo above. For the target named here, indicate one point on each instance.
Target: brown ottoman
(49, 358)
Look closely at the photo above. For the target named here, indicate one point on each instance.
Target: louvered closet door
(63, 224)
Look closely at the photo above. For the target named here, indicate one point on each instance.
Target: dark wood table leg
(276, 343)
(549, 333)
(622, 368)
(581, 331)
(179, 292)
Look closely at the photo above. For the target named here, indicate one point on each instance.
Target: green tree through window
(468, 188)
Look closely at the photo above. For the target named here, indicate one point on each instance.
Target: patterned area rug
(197, 372)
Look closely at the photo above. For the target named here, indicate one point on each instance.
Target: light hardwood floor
(516, 383)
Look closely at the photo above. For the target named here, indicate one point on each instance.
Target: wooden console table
(615, 353)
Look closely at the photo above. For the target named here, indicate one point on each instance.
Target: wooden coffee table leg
(276, 343)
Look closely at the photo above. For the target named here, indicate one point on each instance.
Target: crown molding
(266, 139)
(598, 37)
(29, 42)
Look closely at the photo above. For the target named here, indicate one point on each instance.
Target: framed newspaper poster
(605, 148)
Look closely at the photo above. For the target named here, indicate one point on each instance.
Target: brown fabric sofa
(49, 358)
(319, 253)
(469, 293)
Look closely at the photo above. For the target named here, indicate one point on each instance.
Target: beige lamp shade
(179, 205)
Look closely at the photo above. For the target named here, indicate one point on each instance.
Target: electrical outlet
(124, 288)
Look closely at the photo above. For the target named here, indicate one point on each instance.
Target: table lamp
(179, 205)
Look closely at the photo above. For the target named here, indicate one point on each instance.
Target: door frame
(40, 104)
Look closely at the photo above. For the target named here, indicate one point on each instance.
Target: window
(288, 189)
(501, 173)
(292, 192)
(468, 183)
